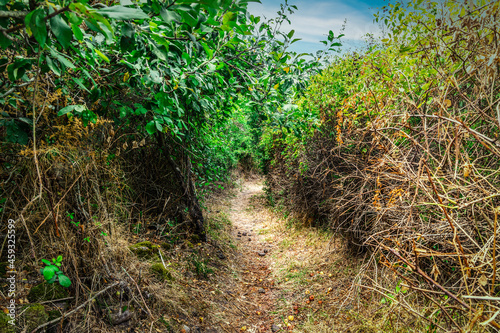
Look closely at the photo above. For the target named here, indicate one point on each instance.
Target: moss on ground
(144, 249)
(47, 292)
(35, 315)
(4, 324)
(167, 245)
(161, 272)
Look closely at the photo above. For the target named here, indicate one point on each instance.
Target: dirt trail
(257, 292)
(284, 275)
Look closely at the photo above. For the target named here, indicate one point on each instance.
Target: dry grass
(310, 261)
(90, 212)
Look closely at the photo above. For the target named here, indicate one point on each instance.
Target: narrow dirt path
(257, 292)
(284, 275)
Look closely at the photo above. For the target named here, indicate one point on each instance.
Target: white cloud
(314, 19)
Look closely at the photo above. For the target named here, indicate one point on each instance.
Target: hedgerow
(405, 162)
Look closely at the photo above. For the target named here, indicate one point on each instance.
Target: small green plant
(2, 201)
(72, 216)
(201, 267)
(52, 273)
(137, 228)
(390, 297)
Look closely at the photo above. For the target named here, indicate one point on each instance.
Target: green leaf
(123, 13)
(70, 108)
(99, 18)
(189, 19)
(4, 42)
(15, 133)
(158, 126)
(128, 30)
(155, 76)
(64, 281)
(290, 34)
(26, 120)
(77, 31)
(161, 54)
(53, 66)
(102, 55)
(169, 16)
(186, 58)
(46, 262)
(49, 272)
(18, 68)
(35, 25)
(228, 17)
(61, 30)
(62, 59)
(79, 83)
(208, 50)
(59, 258)
(151, 128)
(161, 41)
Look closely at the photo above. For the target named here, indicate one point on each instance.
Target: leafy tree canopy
(174, 70)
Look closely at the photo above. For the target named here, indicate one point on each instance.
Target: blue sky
(314, 18)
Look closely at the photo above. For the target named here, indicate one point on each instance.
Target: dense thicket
(405, 161)
(165, 74)
(119, 119)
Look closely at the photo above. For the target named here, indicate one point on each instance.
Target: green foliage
(5, 326)
(200, 78)
(52, 273)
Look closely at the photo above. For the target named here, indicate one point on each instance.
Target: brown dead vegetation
(416, 184)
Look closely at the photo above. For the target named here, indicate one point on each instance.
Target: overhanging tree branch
(13, 14)
(20, 26)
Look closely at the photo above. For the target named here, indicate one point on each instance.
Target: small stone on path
(262, 254)
(275, 328)
(262, 291)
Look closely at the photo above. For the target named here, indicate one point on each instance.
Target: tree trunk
(195, 212)
(187, 185)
